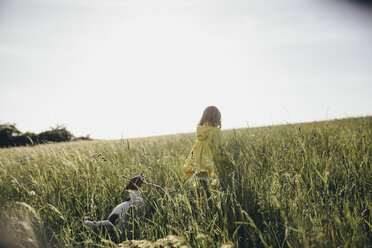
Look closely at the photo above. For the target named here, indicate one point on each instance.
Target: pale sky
(130, 68)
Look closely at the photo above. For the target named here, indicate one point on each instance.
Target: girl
(204, 156)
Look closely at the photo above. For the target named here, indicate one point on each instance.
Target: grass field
(299, 185)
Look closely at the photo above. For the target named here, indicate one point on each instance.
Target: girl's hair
(212, 116)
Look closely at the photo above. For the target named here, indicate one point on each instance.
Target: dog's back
(119, 215)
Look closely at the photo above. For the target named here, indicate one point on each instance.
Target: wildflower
(285, 146)
(98, 155)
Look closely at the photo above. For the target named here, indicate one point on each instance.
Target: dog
(119, 217)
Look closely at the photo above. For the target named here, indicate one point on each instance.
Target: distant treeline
(11, 136)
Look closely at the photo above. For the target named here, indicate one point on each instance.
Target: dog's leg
(95, 224)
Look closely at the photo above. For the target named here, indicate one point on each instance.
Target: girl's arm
(220, 138)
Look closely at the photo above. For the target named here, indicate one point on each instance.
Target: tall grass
(299, 185)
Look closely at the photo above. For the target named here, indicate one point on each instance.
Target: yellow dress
(200, 161)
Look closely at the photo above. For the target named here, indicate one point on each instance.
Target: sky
(132, 68)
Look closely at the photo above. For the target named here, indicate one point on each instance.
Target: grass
(297, 185)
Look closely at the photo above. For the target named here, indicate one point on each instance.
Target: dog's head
(135, 182)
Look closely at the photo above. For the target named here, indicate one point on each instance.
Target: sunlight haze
(116, 69)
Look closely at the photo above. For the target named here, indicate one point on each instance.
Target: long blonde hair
(212, 116)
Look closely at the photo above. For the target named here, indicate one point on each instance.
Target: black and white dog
(119, 216)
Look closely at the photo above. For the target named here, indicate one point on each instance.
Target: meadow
(295, 185)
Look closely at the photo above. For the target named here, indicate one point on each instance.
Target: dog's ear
(135, 182)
